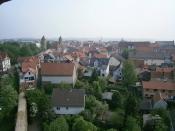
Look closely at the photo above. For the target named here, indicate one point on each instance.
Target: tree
(116, 119)
(131, 107)
(129, 74)
(111, 129)
(94, 76)
(103, 83)
(81, 125)
(59, 124)
(97, 91)
(132, 124)
(8, 100)
(125, 53)
(116, 100)
(42, 102)
(96, 107)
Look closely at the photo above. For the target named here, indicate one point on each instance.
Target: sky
(130, 19)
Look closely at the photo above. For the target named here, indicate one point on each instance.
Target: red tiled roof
(158, 85)
(28, 63)
(57, 69)
(100, 55)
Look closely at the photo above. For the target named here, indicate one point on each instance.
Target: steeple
(59, 44)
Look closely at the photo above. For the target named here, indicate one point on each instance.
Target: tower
(43, 43)
(59, 44)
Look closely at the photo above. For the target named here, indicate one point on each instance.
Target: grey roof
(101, 61)
(150, 55)
(118, 57)
(68, 97)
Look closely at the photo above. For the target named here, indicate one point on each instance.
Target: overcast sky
(147, 19)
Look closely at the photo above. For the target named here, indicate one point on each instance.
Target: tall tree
(116, 100)
(59, 124)
(42, 103)
(129, 74)
(8, 100)
(125, 53)
(81, 125)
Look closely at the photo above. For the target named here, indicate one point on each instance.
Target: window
(170, 91)
(163, 90)
(155, 90)
(58, 108)
(67, 108)
(29, 73)
(26, 78)
(31, 78)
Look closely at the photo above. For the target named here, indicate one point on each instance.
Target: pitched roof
(68, 97)
(101, 61)
(57, 69)
(150, 55)
(160, 85)
(28, 63)
(97, 55)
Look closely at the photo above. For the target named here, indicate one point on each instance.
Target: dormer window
(29, 73)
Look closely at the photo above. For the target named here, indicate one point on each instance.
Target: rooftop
(68, 97)
(57, 69)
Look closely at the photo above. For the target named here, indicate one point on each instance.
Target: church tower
(59, 44)
(43, 43)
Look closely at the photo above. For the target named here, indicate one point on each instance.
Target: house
(116, 72)
(151, 58)
(68, 101)
(150, 88)
(4, 62)
(102, 65)
(29, 70)
(56, 73)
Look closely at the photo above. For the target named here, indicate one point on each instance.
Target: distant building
(68, 101)
(4, 62)
(56, 73)
(43, 43)
(150, 88)
(102, 65)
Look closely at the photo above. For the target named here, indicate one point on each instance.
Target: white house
(152, 61)
(117, 74)
(68, 101)
(4, 62)
(56, 73)
(101, 64)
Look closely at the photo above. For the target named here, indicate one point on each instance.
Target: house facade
(55, 73)
(29, 71)
(101, 64)
(151, 88)
(68, 101)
